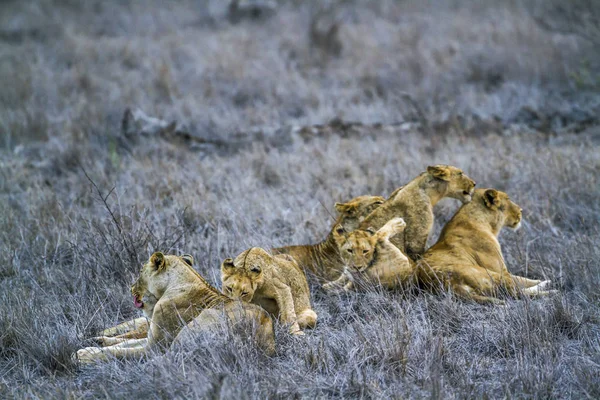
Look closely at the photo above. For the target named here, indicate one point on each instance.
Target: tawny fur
(371, 257)
(274, 282)
(323, 259)
(172, 294)
(467, 257)
(414, 203)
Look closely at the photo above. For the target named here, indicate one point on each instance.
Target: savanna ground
(508, 91)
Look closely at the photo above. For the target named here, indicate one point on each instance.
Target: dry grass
(490, 91)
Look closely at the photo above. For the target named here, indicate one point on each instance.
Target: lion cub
(172, 294)
(414, 203)
(274, 282)
(370, 256)
(467, 257)
(323, 259)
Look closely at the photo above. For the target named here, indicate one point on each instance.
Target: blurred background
(225, 66)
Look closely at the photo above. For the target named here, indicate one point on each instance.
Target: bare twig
(126, 241)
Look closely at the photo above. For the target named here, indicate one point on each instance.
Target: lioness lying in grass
(467, 258)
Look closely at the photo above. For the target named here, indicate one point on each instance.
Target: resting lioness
(369, 256)
(276, 283)
(323, 259)
(414, 203)
(467, 257)
(172, 294)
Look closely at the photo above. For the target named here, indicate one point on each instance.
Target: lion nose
(474, 183)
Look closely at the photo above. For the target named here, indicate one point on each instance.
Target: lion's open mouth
(466, 193)
(137, 302)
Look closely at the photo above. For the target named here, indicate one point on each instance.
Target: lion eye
(244, 293)
(349, 251)
(365, 251)
(228, 289)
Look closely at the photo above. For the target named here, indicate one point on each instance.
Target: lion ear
(158, 260)
(227, 265)
(345, 208)
(491, 198)
(439, 171)
(189, 260)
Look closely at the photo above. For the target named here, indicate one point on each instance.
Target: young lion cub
(370, 256)
(169, 291)
(275, 283)
(467, 257)
(414, 203)
(323, 259)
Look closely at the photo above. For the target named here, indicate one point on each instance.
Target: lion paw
(397, 224)
(543, 285)
(89, 355)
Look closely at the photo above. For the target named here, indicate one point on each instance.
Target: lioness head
(354, 211)
(501, 208)
(356, 248)
(155, 277)
(244, 275)
(458, 184)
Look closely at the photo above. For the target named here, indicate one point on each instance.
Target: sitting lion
(414, 203)
(370, 256)
(467, 258)
(323, 259)
(170, 292)
(275, 283)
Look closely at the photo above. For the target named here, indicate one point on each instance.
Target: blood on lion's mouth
(137, 302)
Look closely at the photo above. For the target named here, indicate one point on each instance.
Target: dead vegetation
(255, 134)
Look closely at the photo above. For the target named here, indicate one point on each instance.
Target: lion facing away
(172, 294)
(467, 257)
(370, 256)
(274, 282)
(323, 259)
(414, 203)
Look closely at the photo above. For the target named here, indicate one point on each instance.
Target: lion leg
(106, 341)
(512, 285)
(466, 293)
(415, 238)
(539, 290)
(265, 334)
(139, 325)
(526, 282)
(134, 329)
(134, 348)
(285, 301)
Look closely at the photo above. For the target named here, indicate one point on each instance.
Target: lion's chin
(516, 227)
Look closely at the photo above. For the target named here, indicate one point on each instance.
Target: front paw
(397, 224)
(89, 355)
